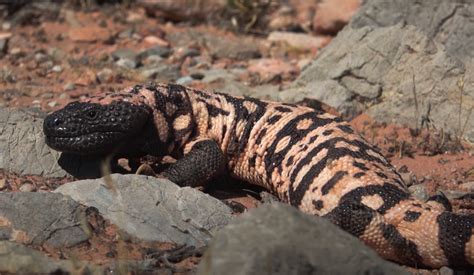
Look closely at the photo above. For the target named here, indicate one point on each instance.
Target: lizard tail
(413, 233)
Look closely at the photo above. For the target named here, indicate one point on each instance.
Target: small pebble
(57, 69)
(41, 57)
(126, 63)
(3, 184)
(6, 26)
(184, 80)
(445, 271)
(419, 191)
(52, 104)
(27, 187)
(69, 86)
(105, 75)
(15, 51)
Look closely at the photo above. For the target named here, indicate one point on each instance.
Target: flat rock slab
(41, 218)
(447, 22)
(278, 239)
(153, 209)
(396, 74)
(19, 259)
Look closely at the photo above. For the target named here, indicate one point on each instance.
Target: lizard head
(94, 129)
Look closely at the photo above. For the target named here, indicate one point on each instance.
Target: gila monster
(308, 158)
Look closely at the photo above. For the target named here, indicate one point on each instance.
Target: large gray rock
(42, 218)
(278, 239)
(22, 147)
(152, 209)
(447, 22)
(382, 70)
(19, 259)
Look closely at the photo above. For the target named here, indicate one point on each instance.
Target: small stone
(124, 54)
(126, 63)
(48, 64)
(185, 80)
(152, 59)
(269, 69)
(16, 51)
(105, 75)
(126, 33)
(151, 39)
(27, 187)
(3, 184)
(419, 191)
(182, 53)
(156, 50)
(445, 271)
(408, 178)
(57, 69)
(52, 104)
(300, 40)
(41, 57)
(69, 86)
(4, 38)
(6, 26)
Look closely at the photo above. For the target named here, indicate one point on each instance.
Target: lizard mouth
(95, 143)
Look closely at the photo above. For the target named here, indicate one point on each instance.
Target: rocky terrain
(400, 71)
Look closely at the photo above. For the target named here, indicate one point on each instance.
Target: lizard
(308, 158)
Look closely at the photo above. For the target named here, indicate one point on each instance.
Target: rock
(41, 218)
(153, 209)
(152, 60)
(278, 239)
(27, 187)
(185, 80)
(269, 69)
(4, 38)
(3, 184)
(300, 40)
(447, 22)
(126, 63)
(153, 40)
(41, 57)
(69, 86)
(184, 9)
(6, 26)
(19, 259)
(124, 54)
(153, 51)
(332, 15)
(127, 33)
(105, 75)
(22, 147)
(446, 271)
(419, 191)
(160, 72)
(237, 48)
(88, 34)
(380, 70)
(57, 69)
(181, 53)
(224, 81)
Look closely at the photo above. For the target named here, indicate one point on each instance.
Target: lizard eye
(92, 114)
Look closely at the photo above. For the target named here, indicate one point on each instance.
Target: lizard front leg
(202, 162)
